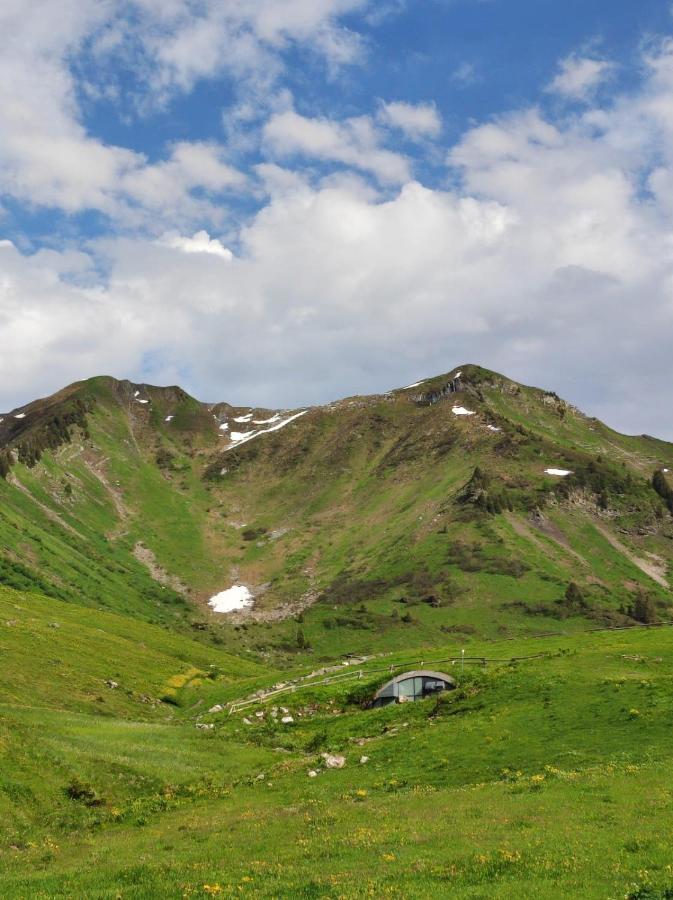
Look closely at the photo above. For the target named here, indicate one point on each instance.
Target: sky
(283, 202)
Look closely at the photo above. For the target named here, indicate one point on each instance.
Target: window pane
(406, 687)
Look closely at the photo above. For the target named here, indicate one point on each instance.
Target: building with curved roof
(414, 685)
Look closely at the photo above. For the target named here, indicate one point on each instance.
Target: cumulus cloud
(579, 76)
(549, 257)
(415, 120)
(201, 242)
(352, 142)
(57, 55)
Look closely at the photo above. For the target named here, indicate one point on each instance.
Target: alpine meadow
(376, 534)
(336, 449)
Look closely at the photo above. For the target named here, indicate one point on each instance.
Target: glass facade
(412, 687)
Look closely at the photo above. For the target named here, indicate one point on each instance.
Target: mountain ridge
(459, 495)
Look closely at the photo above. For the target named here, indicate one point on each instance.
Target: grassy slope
(81, 696)
(364, 492)
(543, 779)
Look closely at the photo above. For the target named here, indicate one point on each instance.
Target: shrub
(662, 487)
(574, 598)
(164, 458)
(643, 609)
(83, 792)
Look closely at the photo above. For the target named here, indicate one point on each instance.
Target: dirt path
(552, 531)
(524, 531)
(145, 556)
(654, 567)
(49, 513)
(120, 507)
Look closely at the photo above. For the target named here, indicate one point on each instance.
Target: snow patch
(138, 400)
(415, 384)
(458, 374)
(560, 472)
(224, 426)
(493, 428)
(240, 437)
(236, 597)
(137, 394)
(20, 416)
(461, 411)
(241, 419)
(274, 418)
(168, 419)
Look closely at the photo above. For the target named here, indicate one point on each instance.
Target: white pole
(462, 661)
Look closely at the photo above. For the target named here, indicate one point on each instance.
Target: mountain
(151, 746)
(465, 503)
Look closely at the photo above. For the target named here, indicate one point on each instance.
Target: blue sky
(281, 204)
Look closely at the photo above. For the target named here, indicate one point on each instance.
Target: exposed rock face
(429, 398)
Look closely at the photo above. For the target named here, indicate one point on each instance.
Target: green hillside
(379, 521)
(545, 777)
(374, 534)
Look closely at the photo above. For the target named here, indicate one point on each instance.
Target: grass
(545, 778)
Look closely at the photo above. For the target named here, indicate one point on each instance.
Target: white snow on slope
(168, 419)
(461, 411)
(240, 437)
(20, 416)
(138, 400)
(273, 418)
(560, 472)
(283, 423)
(236, 597)
(224, 426)
(245, 418)
(137, 394)
(415, 384)
(493, 428)
(458, 374)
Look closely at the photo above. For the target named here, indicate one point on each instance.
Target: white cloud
(56, 53)
(416, 120)
(579, 76)
(550, 258)
(201, 242)
(352, 142)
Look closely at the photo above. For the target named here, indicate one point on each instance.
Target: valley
(162, 558)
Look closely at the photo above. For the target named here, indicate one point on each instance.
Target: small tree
(661, 486)
(644, 609)
(5, 464)
(302, 643)
(574, 597)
